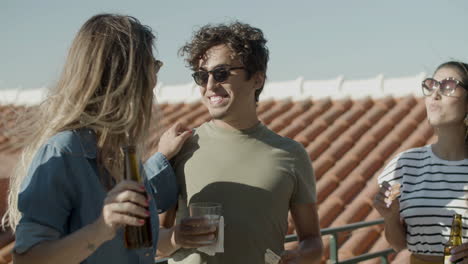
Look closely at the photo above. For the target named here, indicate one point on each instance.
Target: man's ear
(259, 78)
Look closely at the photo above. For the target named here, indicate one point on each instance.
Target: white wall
(297, 89)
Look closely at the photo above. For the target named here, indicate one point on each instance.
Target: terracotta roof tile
(418, 113)
(358, 129)
(339, 147)
(387, 102)
(360, 242)
(371, 234)
(403, 129)
(353, 212)
(332, 114)
(264, 105)
(329, 210)
(365, 103)
(343, 167)
(365, 145)
(421, 136)
(402, 257)
(349, 142)
(352, 115)
(285, 119)
(362, 170)
(322, 165)
(349, 188)
(294, 111)
(196, 112)
(325, 186)
(292, 130)
(380, 244)
(177, 113)
(375, 113)
(311, 132)
(385, 148)
(272, 113)
(381, 129)
(319, 107)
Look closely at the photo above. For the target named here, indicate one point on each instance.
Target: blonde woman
(433, 178)
(68, 200)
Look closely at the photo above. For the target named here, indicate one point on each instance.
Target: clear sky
(313, 39)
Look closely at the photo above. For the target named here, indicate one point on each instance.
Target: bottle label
(447, 260)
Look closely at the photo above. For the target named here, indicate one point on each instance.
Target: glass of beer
(211, 211)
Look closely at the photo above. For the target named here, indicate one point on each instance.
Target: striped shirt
(432, 191)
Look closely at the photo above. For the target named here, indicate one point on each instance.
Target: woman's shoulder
(63, 154)
(394, 169)
(81, 142)
(409, 156)
(414, 153)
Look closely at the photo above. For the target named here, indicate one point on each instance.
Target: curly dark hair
(246, 42)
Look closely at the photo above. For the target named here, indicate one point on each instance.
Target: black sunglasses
(446, 87)
(220, 74)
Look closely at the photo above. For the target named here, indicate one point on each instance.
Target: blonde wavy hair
(106, 85)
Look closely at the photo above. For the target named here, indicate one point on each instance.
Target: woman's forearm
(73, 248)
(395, 232)
(166, 243)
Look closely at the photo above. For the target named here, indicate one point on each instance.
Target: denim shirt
(62, 193)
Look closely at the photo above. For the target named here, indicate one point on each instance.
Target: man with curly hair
(257, 175)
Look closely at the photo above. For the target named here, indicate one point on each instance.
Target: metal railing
(333, 232)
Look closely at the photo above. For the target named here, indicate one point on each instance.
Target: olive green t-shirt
(256, 175)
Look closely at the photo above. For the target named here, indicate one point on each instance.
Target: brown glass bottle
(455, 238)
(135, 236)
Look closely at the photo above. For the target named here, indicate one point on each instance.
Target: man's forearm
(311, 250)
(166, 243)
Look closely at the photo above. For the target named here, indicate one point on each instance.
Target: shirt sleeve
(45, 200)
(304, 189)
(161, 177)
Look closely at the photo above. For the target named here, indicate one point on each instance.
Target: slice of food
(394, 192)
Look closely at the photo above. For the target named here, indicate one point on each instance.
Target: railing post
(333, 248)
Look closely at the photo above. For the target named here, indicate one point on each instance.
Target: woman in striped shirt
(433, 178)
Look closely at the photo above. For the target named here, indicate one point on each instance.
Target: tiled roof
(348, 140)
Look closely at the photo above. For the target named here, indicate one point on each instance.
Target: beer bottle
(455, 238)
(135, 236)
